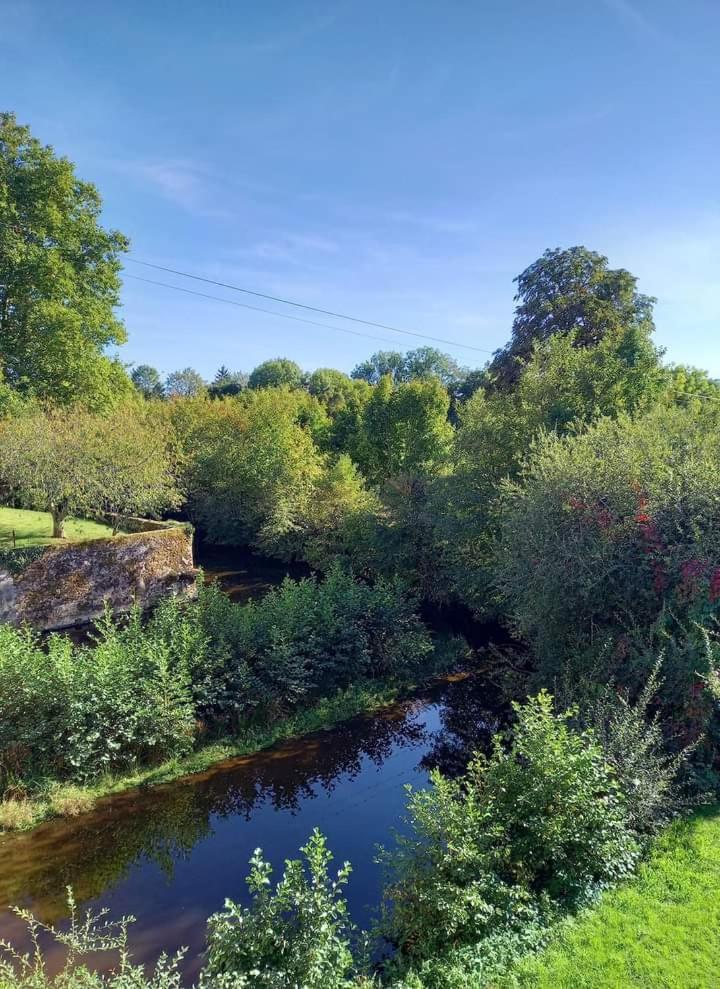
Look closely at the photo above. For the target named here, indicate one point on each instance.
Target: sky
(398, 161)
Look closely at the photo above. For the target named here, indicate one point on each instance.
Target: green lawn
(35, 528)
(660, 931)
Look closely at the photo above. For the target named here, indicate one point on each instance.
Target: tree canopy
(71, 462)
(570, 291)
(59, 277)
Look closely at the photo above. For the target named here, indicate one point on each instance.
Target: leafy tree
(599, 526)
(59, 277)
(425, 362)
(184, 384)
(147, 381)
(73, 463)
(227, 383)
(405, 429)
(275, 373)
(429, 362)
(379, 366)
(570, 291)
(251, 466)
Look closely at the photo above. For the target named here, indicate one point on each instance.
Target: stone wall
(71, 584)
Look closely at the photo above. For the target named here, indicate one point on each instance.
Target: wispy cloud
(185, 183)
(633, 17)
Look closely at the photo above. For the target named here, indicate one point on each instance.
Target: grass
(35, 528)
(57, 799)
(659, 931)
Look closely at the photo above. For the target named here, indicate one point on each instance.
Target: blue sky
(401, 161)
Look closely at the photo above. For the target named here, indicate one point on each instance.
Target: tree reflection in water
(129, 850)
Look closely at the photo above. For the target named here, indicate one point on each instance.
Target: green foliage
(425, 362)
(608, 529)
(301, 641)
(59, 278)
(538, 825)
(570, 291)
(631, 736)
(76, 712)
(84, 937)
(251, 466)
(15, 560)
(276, 373)
(187, 383)
(70, 462)
(136, 696)
(405, 429)
(147, 381)
(297, 934)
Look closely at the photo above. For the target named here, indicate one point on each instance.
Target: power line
(302, 305)
(270, 312)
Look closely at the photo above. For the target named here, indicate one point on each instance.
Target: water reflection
(171, 854)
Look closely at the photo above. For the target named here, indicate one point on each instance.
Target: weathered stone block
(72, 584)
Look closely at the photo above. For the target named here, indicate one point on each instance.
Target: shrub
(84, 936)
(72, 712)
(302, 640)
(537, 826)
(298, 934)
(633, 741)
(609, 530)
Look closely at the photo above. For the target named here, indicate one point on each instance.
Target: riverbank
(70, 800)
(660, 929)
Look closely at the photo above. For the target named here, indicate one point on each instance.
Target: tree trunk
(58, 521)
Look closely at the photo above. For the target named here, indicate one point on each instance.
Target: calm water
(170, 855)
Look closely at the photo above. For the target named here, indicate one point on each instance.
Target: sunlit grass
(659, 931)
(35, 528)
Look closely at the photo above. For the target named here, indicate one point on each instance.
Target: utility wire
(270, 312)
(302, 305)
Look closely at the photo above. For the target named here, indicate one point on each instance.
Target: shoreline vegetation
(69, 799)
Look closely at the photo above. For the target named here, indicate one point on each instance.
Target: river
(169, 855)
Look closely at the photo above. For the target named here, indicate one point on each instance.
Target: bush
(135, 696)
(72, 712)
(634, 744)
(85, 936)
(298, 934)
(609, 530)
(303, 640)
(537, 826)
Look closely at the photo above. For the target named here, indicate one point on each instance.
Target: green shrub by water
(144, 692)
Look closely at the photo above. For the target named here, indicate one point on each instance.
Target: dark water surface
(169, 855)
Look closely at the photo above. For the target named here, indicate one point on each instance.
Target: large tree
(71, 462)
(186, 383)
(59, 277)
(565, 292)
(275, 373)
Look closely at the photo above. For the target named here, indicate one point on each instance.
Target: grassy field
(35, 528)
(660, 931)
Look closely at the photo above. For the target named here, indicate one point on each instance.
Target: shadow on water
(169, 855)
(241, 573)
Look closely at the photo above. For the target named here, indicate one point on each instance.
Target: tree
(425, 362)
(184, 384)
(71, 462)
(276, 372)
(59, 277)
(147, 381)
(570, 291)
(379, 366)
(429, 362)
(405, 429)
(227, 382)
(251, 467)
